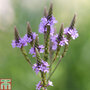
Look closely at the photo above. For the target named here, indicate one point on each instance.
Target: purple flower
(72, 32)
(52, 21)
(54, 46)
(63, 41)
(43, 66)
(45, 63)
(40, 49)
(54, 38)
(23, 41)
(32, 51)
(42, 25)
(36, 68)
(38, 86)
(29, 39)
(34, 35)
(19, 44)
(44, 22)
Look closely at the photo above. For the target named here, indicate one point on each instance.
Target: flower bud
(29, 30)
(50, 12)
(17, 37)
(36, 42)
(38, 56)
(73, 22)
(60, 32)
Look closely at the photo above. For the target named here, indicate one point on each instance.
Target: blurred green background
(73, 72)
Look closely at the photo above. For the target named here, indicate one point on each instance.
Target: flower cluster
(18, 44)
(43, 67)
(72, 32)
(33, 52)
(56, 42)
(52, 43)
(39, 85)
(44, 22)
(28, 39)
(23, 41)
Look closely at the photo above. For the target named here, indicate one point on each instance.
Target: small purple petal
(41, 67)
(32, 51)
(13, 44)
(38, 86)
(54, 46)
(63, 41)
(34, 35)
(45, 63)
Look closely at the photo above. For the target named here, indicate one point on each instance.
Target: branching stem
(25, 55)
(63, 54)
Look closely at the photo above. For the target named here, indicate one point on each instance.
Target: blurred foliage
(73, 72)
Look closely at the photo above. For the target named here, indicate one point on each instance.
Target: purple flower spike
(44, 22)
(27, 39)
(42, 25)
(55, 42)
(72, 32)
(52, 21)
(23, 42)
(19, 44)
(43, 66)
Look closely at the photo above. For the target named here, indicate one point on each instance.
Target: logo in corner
(5, 84)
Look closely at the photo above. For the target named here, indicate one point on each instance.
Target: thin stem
(54, 69)
(63, 54)
(43, 76)
(57, 52)
(47, 44)
(25, 55)
(51, 56)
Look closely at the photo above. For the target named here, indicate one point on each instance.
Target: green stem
(44, 81)
(63, 54)
(57, 52)
(47, 44)
(25, 55)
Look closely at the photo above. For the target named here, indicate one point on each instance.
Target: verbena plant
(52, 44)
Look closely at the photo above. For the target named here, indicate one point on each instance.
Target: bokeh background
(73, 72)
